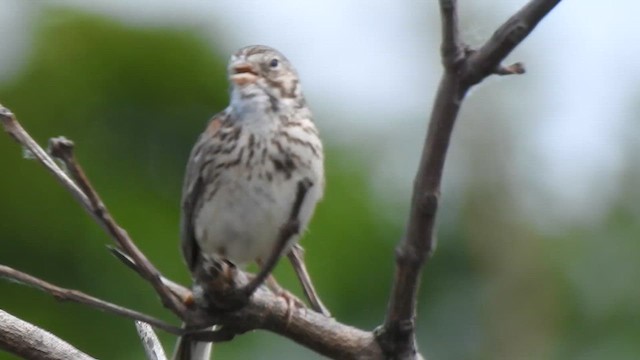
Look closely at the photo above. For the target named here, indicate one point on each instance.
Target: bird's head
(260, 69)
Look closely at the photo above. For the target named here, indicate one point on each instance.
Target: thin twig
(152, 346)
(487, 58)
(513, 69)
(397, 335)
(100, 214)
(62, 149)
(82, 298)
(176, 289)
(296, 257)
(19, 134)
(451, 49)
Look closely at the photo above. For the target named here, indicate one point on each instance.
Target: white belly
(242, 220)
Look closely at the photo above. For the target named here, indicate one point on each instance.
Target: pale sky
(375, 63)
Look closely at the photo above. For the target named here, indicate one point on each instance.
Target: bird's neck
(259, 106)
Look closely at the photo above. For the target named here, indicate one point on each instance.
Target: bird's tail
(192, 350)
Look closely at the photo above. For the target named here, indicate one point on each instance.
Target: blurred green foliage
(133, 99)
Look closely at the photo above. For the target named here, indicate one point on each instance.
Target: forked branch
(62, 149)
(464, 67)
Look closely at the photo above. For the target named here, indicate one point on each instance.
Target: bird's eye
(274, 63)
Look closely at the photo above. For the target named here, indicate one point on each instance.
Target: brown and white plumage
(242, 174)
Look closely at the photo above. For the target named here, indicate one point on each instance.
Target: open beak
(242, 73)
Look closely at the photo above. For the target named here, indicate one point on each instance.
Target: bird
(243, 172)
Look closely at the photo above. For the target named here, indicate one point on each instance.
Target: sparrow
(243, 173)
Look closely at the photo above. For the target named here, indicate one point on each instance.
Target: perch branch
(268, 311)
(82, 298)
(311, 329)
(463, 69)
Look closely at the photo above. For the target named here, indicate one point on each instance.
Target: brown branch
(268, 311)
(313, 330)
(62, 149)
(27, 341)
(89, 199)
(451, 49)
(513, 69)
(463, 69)
(82, 298)
(271, 312)
(19, 134)
(485, 60)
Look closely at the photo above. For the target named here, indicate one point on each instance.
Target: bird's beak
(243, 73)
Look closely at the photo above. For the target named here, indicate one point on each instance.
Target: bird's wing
(194, 186)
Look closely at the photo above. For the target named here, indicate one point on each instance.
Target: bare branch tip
(513, 69)
(5, 113)
(8, 120)
(60, 147)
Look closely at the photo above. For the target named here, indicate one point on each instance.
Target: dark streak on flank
(299, 141)
(229, 149)
(307, 128)
(284, 165)
(235, 134)
(229, 164)
(237, 160)
(212, 192)
(310, 130)
(277, 144)
(252, 149)
(249, 96)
